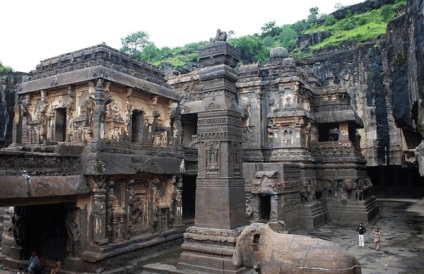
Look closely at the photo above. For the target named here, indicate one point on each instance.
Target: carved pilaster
(99, 112)
(73, 228)
(274, 214)
(70, 108)
(99, 217)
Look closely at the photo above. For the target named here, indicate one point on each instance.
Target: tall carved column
(99, 112)
(99, 212)
(274, 208)
(220, 202)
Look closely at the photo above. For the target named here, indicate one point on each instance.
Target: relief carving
(265, 182)
(74, 231)
(158, 131)
(308, 190)
(17, 227)
(212, 156)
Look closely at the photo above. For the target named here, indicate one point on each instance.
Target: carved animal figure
(263, 249)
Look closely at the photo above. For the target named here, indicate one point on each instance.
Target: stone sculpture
(261, 248)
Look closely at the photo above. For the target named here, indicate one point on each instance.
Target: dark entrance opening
(189, 197)
(328, 132)
(265, 207)
(189, 130)
(60, 125)
(137, 127)
(44, 230)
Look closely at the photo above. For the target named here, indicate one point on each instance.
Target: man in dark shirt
(361, 231)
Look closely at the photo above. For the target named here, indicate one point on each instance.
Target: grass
(363, 27)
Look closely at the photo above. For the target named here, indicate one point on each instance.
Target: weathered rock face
(405, 43)
(360, 8)
(385, 81)
(310, 39)
(362, 72)
(7, 101)
(405, 54)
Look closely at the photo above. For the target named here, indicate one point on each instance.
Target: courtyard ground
(402, 241)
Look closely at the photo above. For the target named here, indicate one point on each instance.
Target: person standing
(21, 270)
(33, 263)
(377, 238)
(57, 267)
(361, 231)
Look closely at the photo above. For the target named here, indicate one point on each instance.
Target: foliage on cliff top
(355, 27)
(361, 27)
(4, 69)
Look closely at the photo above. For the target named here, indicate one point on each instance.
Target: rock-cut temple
(112, 160)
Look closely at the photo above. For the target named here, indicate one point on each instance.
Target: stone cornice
(93, 73)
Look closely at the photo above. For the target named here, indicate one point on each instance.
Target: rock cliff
(385, 81)
(8, 83)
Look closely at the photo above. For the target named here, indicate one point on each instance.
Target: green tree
(150, 53)
(5, 69)
(329, 20)
(134, 43)
(387, 13)
(300, 26)
(270, 29)
(313, 16)
(268, 41)
(288, 37)
(251, 49)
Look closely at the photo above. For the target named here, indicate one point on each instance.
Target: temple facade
(112, 160)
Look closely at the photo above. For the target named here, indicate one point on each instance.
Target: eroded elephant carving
(261, 248)
(308, 190)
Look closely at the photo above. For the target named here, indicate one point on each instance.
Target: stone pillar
(99, 112)
(220, 202)
(99, 217)
(256, 205)
(178, 203)
(274, 215)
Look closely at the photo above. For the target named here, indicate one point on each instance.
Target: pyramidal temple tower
(220, 202)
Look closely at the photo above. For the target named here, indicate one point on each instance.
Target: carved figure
(364, 184)
(136, 206)
(307, 192)
(17, 229)
(73, 230)
(212, 150)
(249, 208)
(158, 131)
(221, 36)
(263, 249)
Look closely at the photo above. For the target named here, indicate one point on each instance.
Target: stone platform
(346, 210)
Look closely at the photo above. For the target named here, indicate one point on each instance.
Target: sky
(35, 30)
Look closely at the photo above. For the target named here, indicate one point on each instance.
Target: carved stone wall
(72, 109)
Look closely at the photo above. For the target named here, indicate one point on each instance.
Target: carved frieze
(290, 201)
(211, 182)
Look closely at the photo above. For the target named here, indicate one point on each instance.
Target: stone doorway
(60, 125)
(44, 230)
(265, 207)
(137, 127)
(189, 197)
